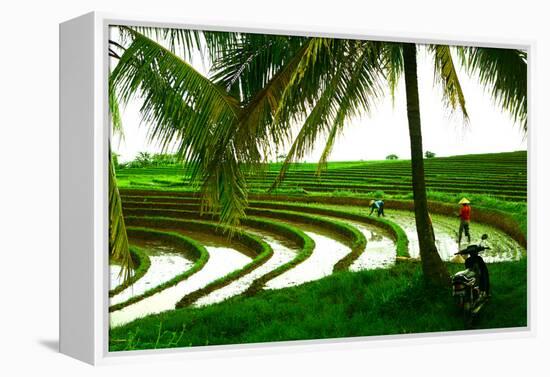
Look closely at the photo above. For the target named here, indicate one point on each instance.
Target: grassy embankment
(345, 304)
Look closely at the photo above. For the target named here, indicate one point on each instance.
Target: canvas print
(268, 188)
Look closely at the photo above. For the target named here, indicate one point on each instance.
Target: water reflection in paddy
(326, 253)
(503, 247)
(166, 262)
(283, 252)
(222, 261)
(380, 251)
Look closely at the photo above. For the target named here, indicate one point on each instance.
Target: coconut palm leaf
(187, 43)
(347, 93)
(267, 118)
(114, 109)
(118, 240)
(248, 66)
(445, 74)
(503, 72)
(391, 55)
(361, 89)
(119, 250)
(260, 68)
(181, 104)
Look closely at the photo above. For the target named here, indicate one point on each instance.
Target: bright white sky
(385, 130)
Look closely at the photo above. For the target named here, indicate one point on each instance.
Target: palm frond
(187, 43)
(181, 104)
(503, 72)
(391, 55)
(445, 74)
(361, 89)
(119, 250)
(114, 110)
(249, 65)
(259, 122)
(349, 92)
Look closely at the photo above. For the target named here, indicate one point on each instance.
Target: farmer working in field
(465, 212)
(377, 205)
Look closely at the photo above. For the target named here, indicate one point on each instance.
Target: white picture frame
(84, 136)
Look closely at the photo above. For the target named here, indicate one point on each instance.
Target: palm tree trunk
(433, 268)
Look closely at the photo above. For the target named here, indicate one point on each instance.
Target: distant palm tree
(261, 86)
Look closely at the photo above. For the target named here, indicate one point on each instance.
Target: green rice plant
(264, 254)
(191, 247)
(141, 262)
(397, 233)
(260, 250)
(352, 237)
(305, 243)
(345, 304)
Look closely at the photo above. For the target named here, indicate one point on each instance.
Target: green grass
(376, 302)
(502, 175)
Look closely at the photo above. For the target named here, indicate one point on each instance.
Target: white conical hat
(464, 201)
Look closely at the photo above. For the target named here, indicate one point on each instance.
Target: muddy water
(283, 252)
(166, 262)
(503, 247)
(380, 251)
(222, 261)
(326, 253)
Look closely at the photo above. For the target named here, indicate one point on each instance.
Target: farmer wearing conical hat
(465, 212)
(378, 206)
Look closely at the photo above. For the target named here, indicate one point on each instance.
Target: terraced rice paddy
(222, 260)
(166, 263)
(326, 254)
(186, 259)
(502, 175)
(503, 247)
(283, 252)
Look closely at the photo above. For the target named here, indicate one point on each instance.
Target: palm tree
(261, 86)
(119, 248)
(432, 265)
(347, 93)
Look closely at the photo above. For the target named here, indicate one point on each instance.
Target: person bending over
(377, 205)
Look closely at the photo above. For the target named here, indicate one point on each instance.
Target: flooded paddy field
(223, 260)
(380, 251)
(166, 262)
(503, 247)
(226, 257)
(327, 252)
(283, 252)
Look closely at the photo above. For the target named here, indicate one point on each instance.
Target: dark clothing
(476, 264)
(465, 213)
(378, 206)
(464, 227)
